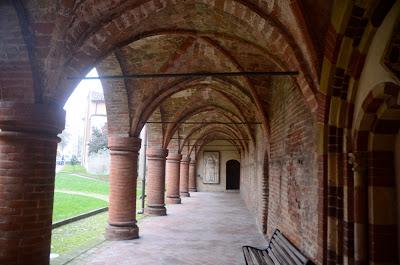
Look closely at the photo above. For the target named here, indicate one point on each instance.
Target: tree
(74, 160)
(98, 141)
(64, 136)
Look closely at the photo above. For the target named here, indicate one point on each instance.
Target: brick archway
(375, 214)
(352, 27)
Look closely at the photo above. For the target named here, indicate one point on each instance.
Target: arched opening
(375, 177)
(232, 175)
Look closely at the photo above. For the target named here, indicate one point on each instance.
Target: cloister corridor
(304, 94)
(207, 228)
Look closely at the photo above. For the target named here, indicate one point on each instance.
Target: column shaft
(184, 177)
(359, 161)
(123, 180)
(172, 178)
(156, 181)
(28, 146)
(192, 176)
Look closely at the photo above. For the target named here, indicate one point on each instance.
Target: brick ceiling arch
(213, 133)
(179, 59)
(204, 110)
(99, 39)
(211, 137)
(196, 132)
(230, 89)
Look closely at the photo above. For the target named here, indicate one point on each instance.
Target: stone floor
(208, 228)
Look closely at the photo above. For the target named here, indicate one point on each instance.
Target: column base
(169, 200)
(185, 194)
(192, 190)
(121, 232)
(155, 210)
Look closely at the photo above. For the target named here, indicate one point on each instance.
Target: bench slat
(280, 251)
(280, 255)
(267, 258)
(272, 256)
(293, 249)
(247, 257)
(256, 256)
(277, 257)
(284, 256)
(293, 256)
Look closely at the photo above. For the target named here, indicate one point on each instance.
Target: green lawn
(67, 181)
(70, 205)
(70, 239)
(80, 170)
(78, 234)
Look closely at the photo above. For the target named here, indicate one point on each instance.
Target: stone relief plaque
(211, 167)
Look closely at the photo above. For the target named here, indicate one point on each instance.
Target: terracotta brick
(123, 180)
(155, 181)
(172, 178)
(27, 202)
(184, 177)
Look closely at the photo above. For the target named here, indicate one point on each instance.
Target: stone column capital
(192, 162)
(124, 143)
(185, 159)
(156, 153)
(33, 120)
(174, 158)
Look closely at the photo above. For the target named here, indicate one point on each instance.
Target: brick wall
(291, 187)
(251, 177)
(293, 182)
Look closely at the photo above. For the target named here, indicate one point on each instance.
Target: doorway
(232, 175)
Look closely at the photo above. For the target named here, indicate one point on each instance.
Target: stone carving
(211, 167)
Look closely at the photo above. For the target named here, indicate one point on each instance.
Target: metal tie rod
(176, 138)
(193, 74)
(201, 122)
(212, 145)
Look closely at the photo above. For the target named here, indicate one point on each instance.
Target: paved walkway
(208, 228)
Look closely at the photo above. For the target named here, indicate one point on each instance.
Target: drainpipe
(143, 197)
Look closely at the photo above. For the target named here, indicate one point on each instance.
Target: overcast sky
(77, 102)
(76, 109)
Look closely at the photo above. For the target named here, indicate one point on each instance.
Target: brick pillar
(184, 177)
(155, 181)
(359, 162)
(172, 178)
(122, 198)
(28, 146)
(192, 176)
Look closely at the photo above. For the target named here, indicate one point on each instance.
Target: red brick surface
(192, 176)
(172, 178)
(28, 144)
(123, 179)
(155, 181)
(184, 177)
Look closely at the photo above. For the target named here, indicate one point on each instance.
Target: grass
(68, 205)
(70, 239)
(80, 170)
(66, 181)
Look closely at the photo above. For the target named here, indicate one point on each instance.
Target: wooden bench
(279, 251)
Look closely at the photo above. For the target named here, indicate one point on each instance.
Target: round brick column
(155, 181)
(184, 177)
(172, 178)
(192, 176)
(28, 146)
(122, 198)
